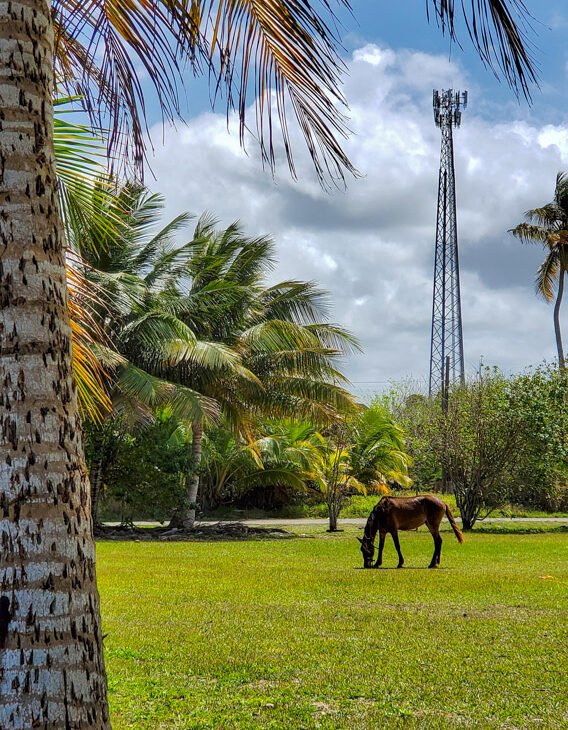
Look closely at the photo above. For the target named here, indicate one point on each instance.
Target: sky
(372, 245)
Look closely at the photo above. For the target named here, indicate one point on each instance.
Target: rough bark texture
(51, 664)
(96, 482)
(332, 514)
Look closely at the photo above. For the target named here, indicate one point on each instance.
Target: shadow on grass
(495, 529)
(215, 532)
(404, 569)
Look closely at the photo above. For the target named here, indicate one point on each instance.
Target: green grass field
(292, 634)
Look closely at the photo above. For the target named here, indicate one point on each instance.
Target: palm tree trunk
(51, 661)
(332, 515)
(96, 481)
(193, 480)
(557, 330)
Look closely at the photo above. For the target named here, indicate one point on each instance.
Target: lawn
(292, 634)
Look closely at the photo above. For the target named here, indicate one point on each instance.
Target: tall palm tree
(287, 349)
(548, 225)
(134, 263)
(51, 661)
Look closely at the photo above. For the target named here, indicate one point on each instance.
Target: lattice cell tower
(446, 353)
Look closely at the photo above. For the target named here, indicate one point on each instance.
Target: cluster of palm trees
(194, 328)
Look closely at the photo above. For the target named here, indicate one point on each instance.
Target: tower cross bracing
(446, 350)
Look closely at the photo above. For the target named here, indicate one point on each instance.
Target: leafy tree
(416, 413)
(285, 348)
(476, 441)
(379, 453)
(130, 259)
(335, 478)
(282, 459)
(145, 477)
(548, 225)
(538, 475)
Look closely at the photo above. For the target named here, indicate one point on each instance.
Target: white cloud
(372, 246)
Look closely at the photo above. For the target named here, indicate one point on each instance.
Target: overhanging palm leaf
(547, 276)
(89, 375)
(497, 29)
(78, 161)
(282, 52)
(296, 301)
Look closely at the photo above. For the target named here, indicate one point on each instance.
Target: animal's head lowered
(368, 550)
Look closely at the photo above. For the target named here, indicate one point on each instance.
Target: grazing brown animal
(392, 514)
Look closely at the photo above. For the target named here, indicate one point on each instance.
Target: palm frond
(547, 276)
(90, 377)
(274, 477)
(298, 301)
(295, 57)
(80, 160)
(101, 47)
(335, 337)
(277, 335)
(185, 404)
(155, 329)
(499, 31)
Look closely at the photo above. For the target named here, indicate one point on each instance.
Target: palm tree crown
(548, 225)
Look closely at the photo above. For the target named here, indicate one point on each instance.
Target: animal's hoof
(377, 565)
(433, 566)
(400, 565)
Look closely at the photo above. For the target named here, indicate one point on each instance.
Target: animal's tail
(457, 532)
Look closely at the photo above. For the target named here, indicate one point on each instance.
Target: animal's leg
(434, 531)
(379, 562)
(394, 534)
(437, 550)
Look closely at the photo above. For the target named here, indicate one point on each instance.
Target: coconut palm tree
(51, 661)
(287, 349)
(548, 225)
(134, 262)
